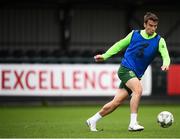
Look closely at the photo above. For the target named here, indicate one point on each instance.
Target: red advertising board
(174, 80)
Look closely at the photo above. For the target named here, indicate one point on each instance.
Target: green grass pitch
(69, 122)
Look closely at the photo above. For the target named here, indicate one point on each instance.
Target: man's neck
(146, 35)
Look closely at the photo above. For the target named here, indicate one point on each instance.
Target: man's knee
(138, 90)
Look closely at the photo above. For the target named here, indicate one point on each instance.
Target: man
(141, 48)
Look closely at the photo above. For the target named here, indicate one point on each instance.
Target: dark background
(73, 31)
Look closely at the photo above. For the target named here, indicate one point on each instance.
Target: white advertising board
(63, 80)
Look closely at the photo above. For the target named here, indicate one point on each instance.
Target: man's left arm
(164, 54)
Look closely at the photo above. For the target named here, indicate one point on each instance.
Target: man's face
(150, 27)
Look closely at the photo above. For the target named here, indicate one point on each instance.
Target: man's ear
(144, 25)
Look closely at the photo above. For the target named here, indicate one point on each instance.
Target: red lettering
(52, 82)
(27, 80)
(89, 80)
(42, 79)
(18, 78)
(5, 79)
(101, 79)
(64, 86)
(76, 79)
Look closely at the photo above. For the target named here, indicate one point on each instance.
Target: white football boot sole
(136, 127)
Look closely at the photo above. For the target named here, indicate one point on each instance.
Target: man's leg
(118, 99)
(135, 85)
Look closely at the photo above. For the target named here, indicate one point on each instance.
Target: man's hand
(165, 68)
(98, 58)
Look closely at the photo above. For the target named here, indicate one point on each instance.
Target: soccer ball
(165, 119)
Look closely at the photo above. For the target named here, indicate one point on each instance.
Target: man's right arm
(118, 46)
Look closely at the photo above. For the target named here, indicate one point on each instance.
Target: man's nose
(154, 28)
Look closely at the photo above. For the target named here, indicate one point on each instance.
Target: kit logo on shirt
(131, 73)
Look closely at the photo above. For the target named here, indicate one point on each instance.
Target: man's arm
(118, 46)
(164, 54)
